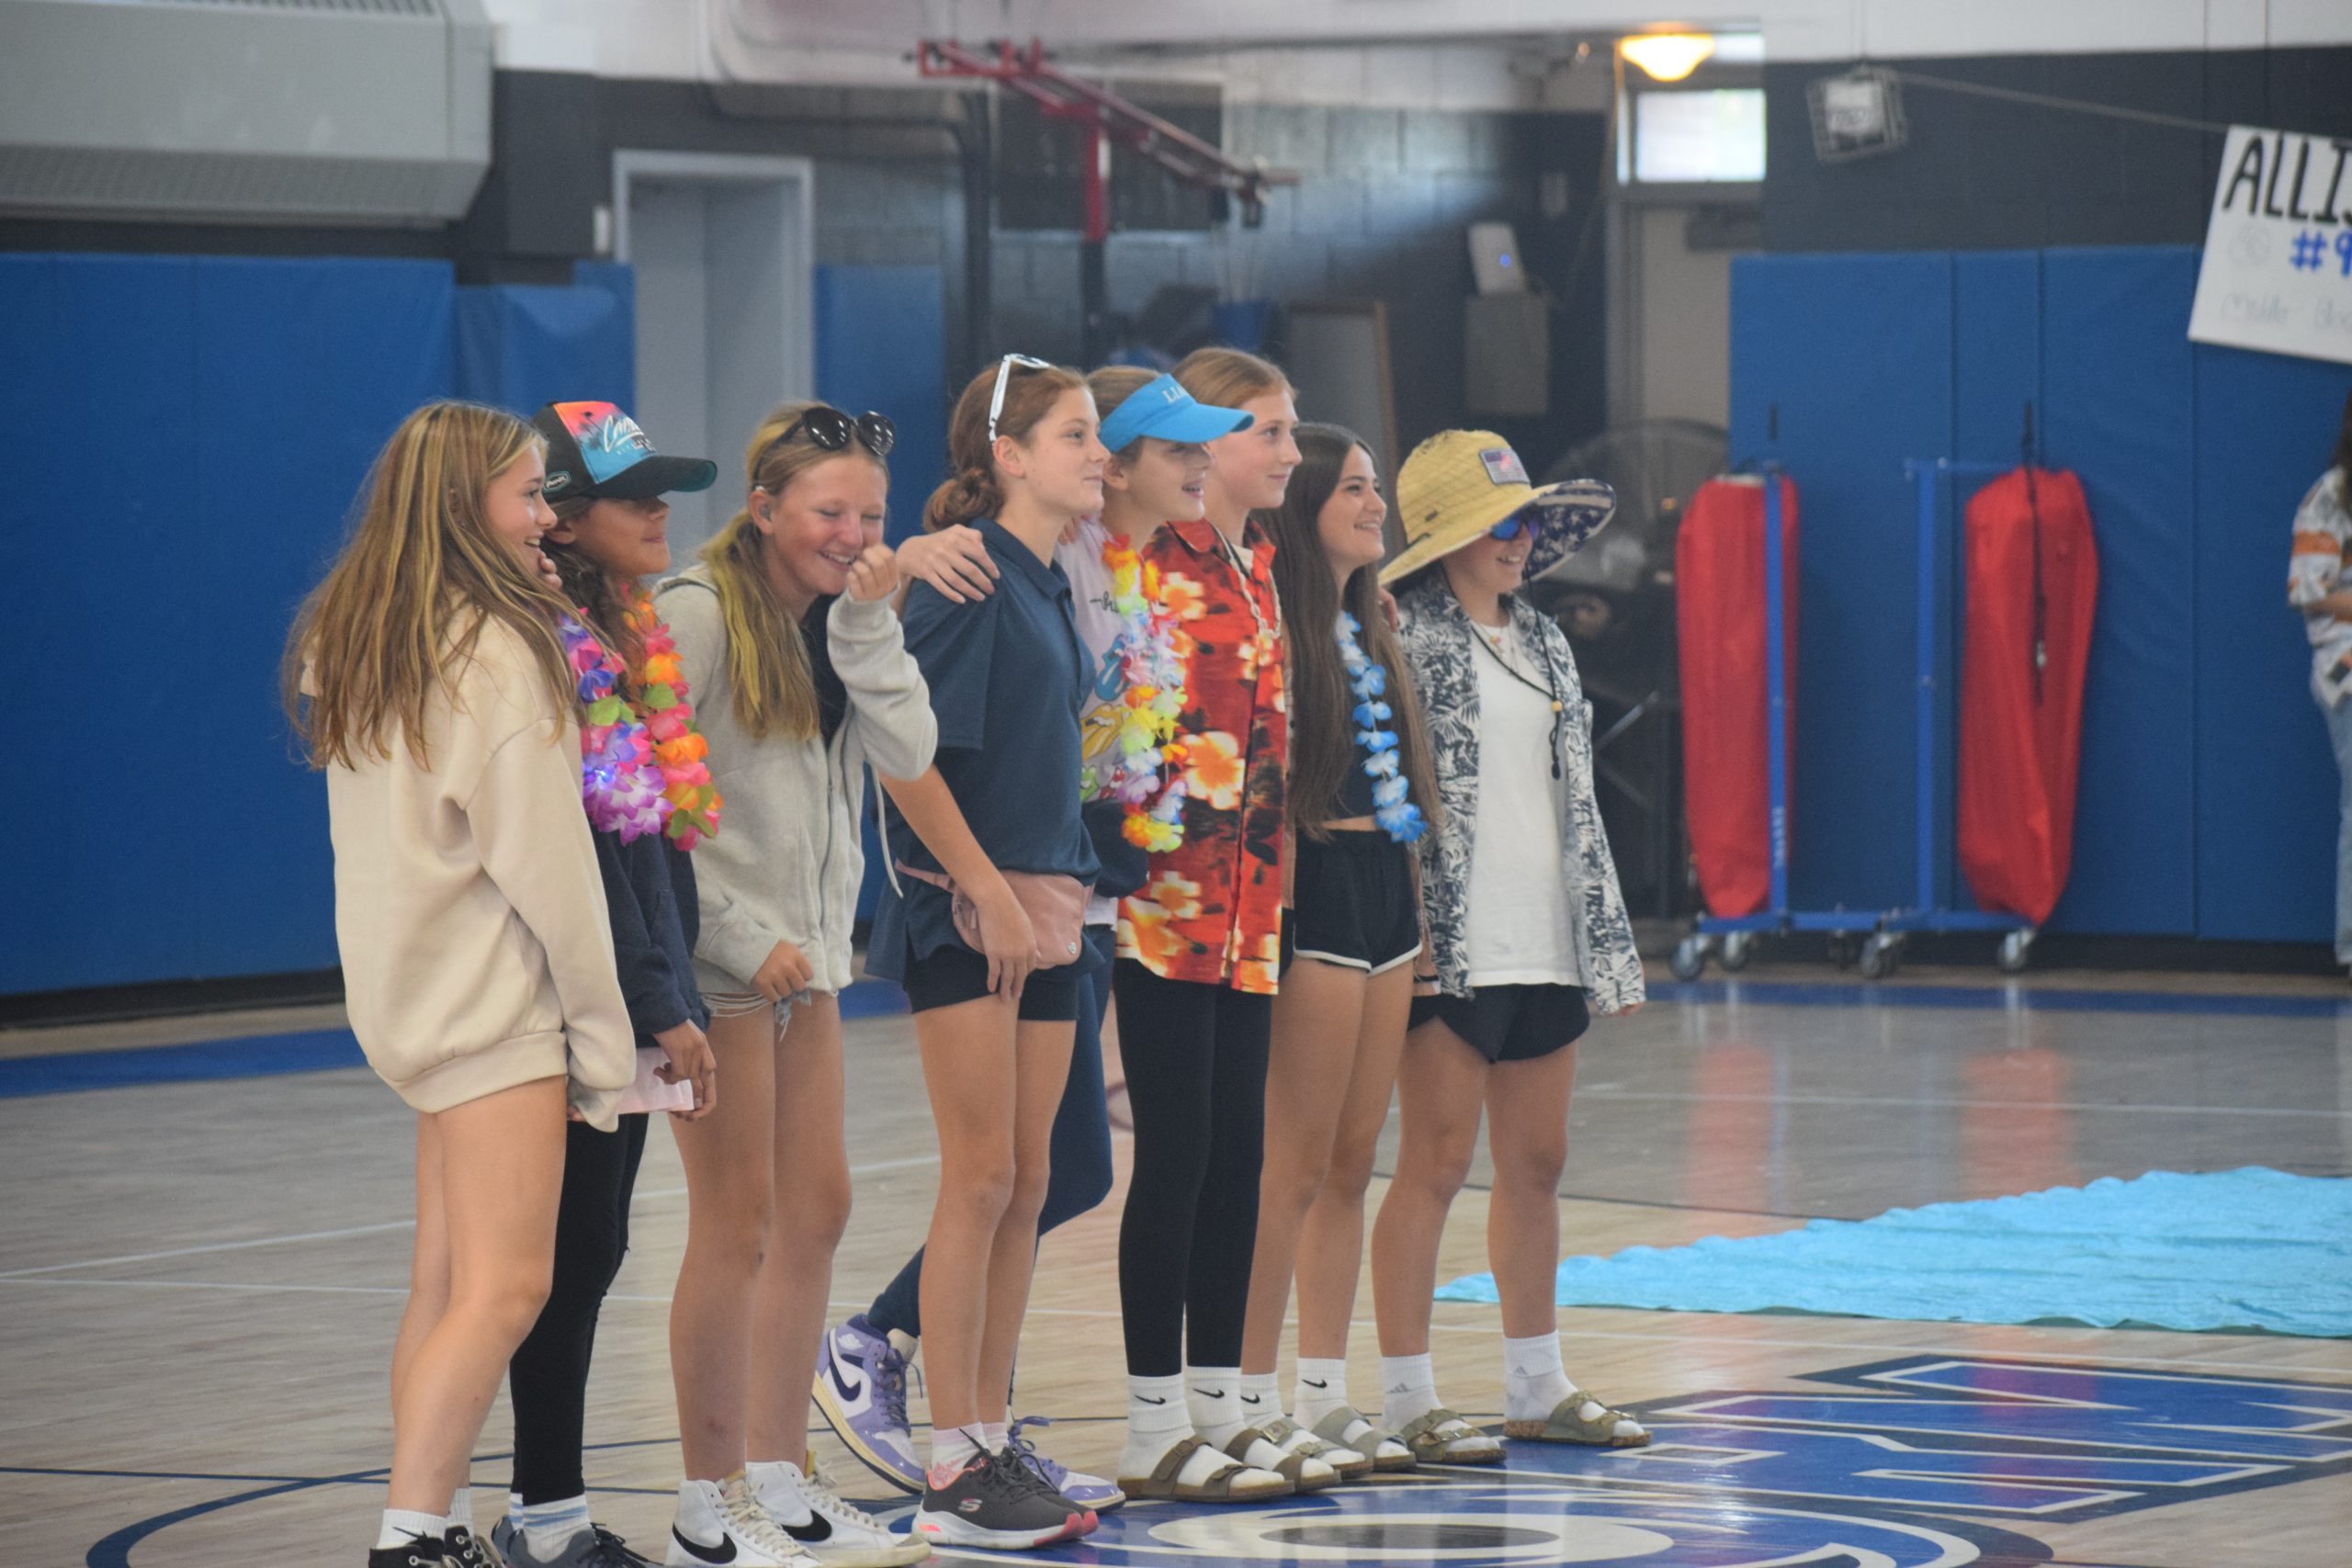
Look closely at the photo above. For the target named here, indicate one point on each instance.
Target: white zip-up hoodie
(477, 948)
(788, 861)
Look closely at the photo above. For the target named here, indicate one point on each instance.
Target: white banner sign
(2278, 268)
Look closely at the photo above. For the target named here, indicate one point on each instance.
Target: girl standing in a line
(435, 689)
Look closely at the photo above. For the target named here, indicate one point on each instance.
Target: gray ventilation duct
(268, 112)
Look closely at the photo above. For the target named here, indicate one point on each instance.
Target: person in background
(2319, 583)
(1528, 935)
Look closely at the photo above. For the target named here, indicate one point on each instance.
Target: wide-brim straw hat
(1459, 483)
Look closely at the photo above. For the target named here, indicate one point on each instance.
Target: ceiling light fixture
(1668, 57)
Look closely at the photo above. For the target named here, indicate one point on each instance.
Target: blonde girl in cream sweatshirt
(478, 963)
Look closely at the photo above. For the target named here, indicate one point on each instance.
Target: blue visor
(1161, 408)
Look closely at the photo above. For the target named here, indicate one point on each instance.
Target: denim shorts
(728, 995)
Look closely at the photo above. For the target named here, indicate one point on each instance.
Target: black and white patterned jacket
(1437, 640)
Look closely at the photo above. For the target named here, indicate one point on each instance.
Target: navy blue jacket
(650, 892)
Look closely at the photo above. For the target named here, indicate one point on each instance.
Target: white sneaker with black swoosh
(719, 1525)
(803, 1506)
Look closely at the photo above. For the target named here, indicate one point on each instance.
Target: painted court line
(867, 1169)
(2267, 1365)
(1911, 1102)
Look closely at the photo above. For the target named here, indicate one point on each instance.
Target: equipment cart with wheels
(1874, 941)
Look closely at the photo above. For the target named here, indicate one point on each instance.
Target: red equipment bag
(2033, 581)
(1719, 623)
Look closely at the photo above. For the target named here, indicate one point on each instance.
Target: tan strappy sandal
(1229, 1484)
(1565, 1426)
(1293, 1466)
(1440, 1436)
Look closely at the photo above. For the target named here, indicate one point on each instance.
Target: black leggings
(1195, 1058)
(549, 1376)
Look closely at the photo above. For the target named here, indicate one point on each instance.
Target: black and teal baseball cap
(597, 453)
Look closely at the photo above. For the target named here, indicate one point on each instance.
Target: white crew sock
(1533, 1381)
(1159, 1418)
(992, 1436)
(1215, 1396)
(461, 1511)
(952, 1448)
(548, 1529)
(1260, 1399)
(402, 1526)
(1408, 1390)
(1322, 1388)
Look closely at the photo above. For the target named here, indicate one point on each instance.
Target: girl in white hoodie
(436, 691)
(786, 630)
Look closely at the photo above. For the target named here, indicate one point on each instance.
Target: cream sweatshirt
(468, 907)
(788, 861)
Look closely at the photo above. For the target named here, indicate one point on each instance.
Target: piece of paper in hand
(651, 1091)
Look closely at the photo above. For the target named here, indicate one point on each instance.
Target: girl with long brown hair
(991, 864)
(430, 680)
(786, 628)
(1361, 793)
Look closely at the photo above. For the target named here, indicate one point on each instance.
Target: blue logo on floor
(1863, 1473)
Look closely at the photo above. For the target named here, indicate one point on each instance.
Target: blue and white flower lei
(1398, 815)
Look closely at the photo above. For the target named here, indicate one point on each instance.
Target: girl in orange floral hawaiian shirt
(1199, 957)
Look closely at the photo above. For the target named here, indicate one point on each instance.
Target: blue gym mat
(2252, 1248)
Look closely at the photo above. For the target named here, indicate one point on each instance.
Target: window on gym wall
(1699, 126)
(1711, 136)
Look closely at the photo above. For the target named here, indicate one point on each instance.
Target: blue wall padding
(2207, 795)
(881, 344)
(2122, 403)
(520, 346)
(2266, 781)
(204, 425)
(1856, 351)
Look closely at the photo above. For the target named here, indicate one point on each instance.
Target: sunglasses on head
(832, 430)
(1004, 368)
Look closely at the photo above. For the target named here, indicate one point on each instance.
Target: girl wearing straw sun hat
(1527, 934)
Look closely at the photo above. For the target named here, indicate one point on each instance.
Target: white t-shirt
(1521, 930)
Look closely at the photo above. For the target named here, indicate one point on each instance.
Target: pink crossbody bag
(1055, 904)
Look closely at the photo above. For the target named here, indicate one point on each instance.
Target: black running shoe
(423, 1551)
(998, 1503)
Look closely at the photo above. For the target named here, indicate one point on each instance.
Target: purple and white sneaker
(1086, 1491)
(862, 1389)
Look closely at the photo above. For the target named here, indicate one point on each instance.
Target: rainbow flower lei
(679, 748)
(1152, 697)
(641, 768)
(1398, 815)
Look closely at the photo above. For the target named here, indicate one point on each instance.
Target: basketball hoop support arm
(1104, 119)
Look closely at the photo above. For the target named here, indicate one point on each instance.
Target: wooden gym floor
(199, 1282)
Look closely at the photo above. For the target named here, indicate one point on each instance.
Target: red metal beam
(1106, 118)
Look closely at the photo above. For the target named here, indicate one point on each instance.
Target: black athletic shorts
(1352, 902)
(1511, 1023)
(956, 974)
